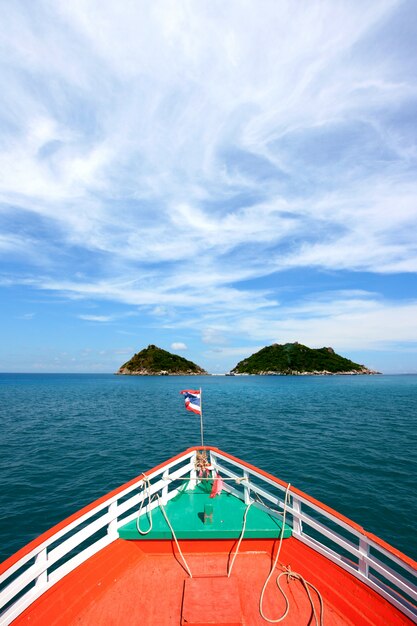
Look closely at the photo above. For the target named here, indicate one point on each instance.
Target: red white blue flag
(192, 399)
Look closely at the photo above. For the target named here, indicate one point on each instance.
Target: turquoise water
(350, 442)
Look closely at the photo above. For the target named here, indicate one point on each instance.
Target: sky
(211, 177)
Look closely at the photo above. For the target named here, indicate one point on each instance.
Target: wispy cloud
(178, 345)
(26, 316)
(96, 318)
(344, 322)
(183, 158)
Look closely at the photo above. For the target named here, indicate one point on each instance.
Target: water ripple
(348, 441)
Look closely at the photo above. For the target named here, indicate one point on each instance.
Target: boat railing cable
(237, 479)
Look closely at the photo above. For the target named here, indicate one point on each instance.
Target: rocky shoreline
(124, 371)
(364, 372)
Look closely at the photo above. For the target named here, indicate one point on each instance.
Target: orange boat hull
(142, 583)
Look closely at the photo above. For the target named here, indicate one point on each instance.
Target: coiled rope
(286, 572)
(294, 576)
(290, 576)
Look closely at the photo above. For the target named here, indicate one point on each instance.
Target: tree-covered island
(153, 361)
(296, 359)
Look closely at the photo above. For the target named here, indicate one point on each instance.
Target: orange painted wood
(83, 587)
(197, 546)
(211, 602)
(123, 585)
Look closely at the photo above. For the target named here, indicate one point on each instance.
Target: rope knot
(289, 573)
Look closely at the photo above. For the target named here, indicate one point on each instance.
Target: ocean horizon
(69, 438)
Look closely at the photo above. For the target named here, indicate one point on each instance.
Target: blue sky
(211, 177)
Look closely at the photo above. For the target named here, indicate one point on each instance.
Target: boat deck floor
(140, 583)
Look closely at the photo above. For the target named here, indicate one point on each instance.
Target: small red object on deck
(217, 486)
(210, 601)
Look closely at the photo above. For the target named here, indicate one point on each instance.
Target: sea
(348, 441)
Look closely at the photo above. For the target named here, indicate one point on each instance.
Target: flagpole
(201, 417)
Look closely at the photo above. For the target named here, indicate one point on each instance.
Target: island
(153, 361)
(295, 359)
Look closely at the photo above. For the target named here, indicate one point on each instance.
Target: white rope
(294, 576)
(281, 536)
(147, 481)
(244, 528)
(240, 539)
(175, 538)
(290, 576)
(287, 570)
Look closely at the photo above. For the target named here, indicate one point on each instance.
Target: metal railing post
(246, 486)
(193, 474)
(112, 525)
(164, 493)
(297, 524)
(364, 551)
(42, 559)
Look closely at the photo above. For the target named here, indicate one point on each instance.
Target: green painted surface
(186, 514)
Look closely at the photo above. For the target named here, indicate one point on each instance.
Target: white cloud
(239, 352)
(343, 323)
(26, 316)
(178, 345)
(160, 311)
(214, 336)
(175, 152)
(96, 318)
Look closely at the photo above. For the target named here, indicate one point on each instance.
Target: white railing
(43, 566)
(340, 542)
(49, 561)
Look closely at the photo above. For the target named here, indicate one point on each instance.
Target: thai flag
(192, 400)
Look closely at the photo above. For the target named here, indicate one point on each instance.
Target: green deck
(186, 514)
